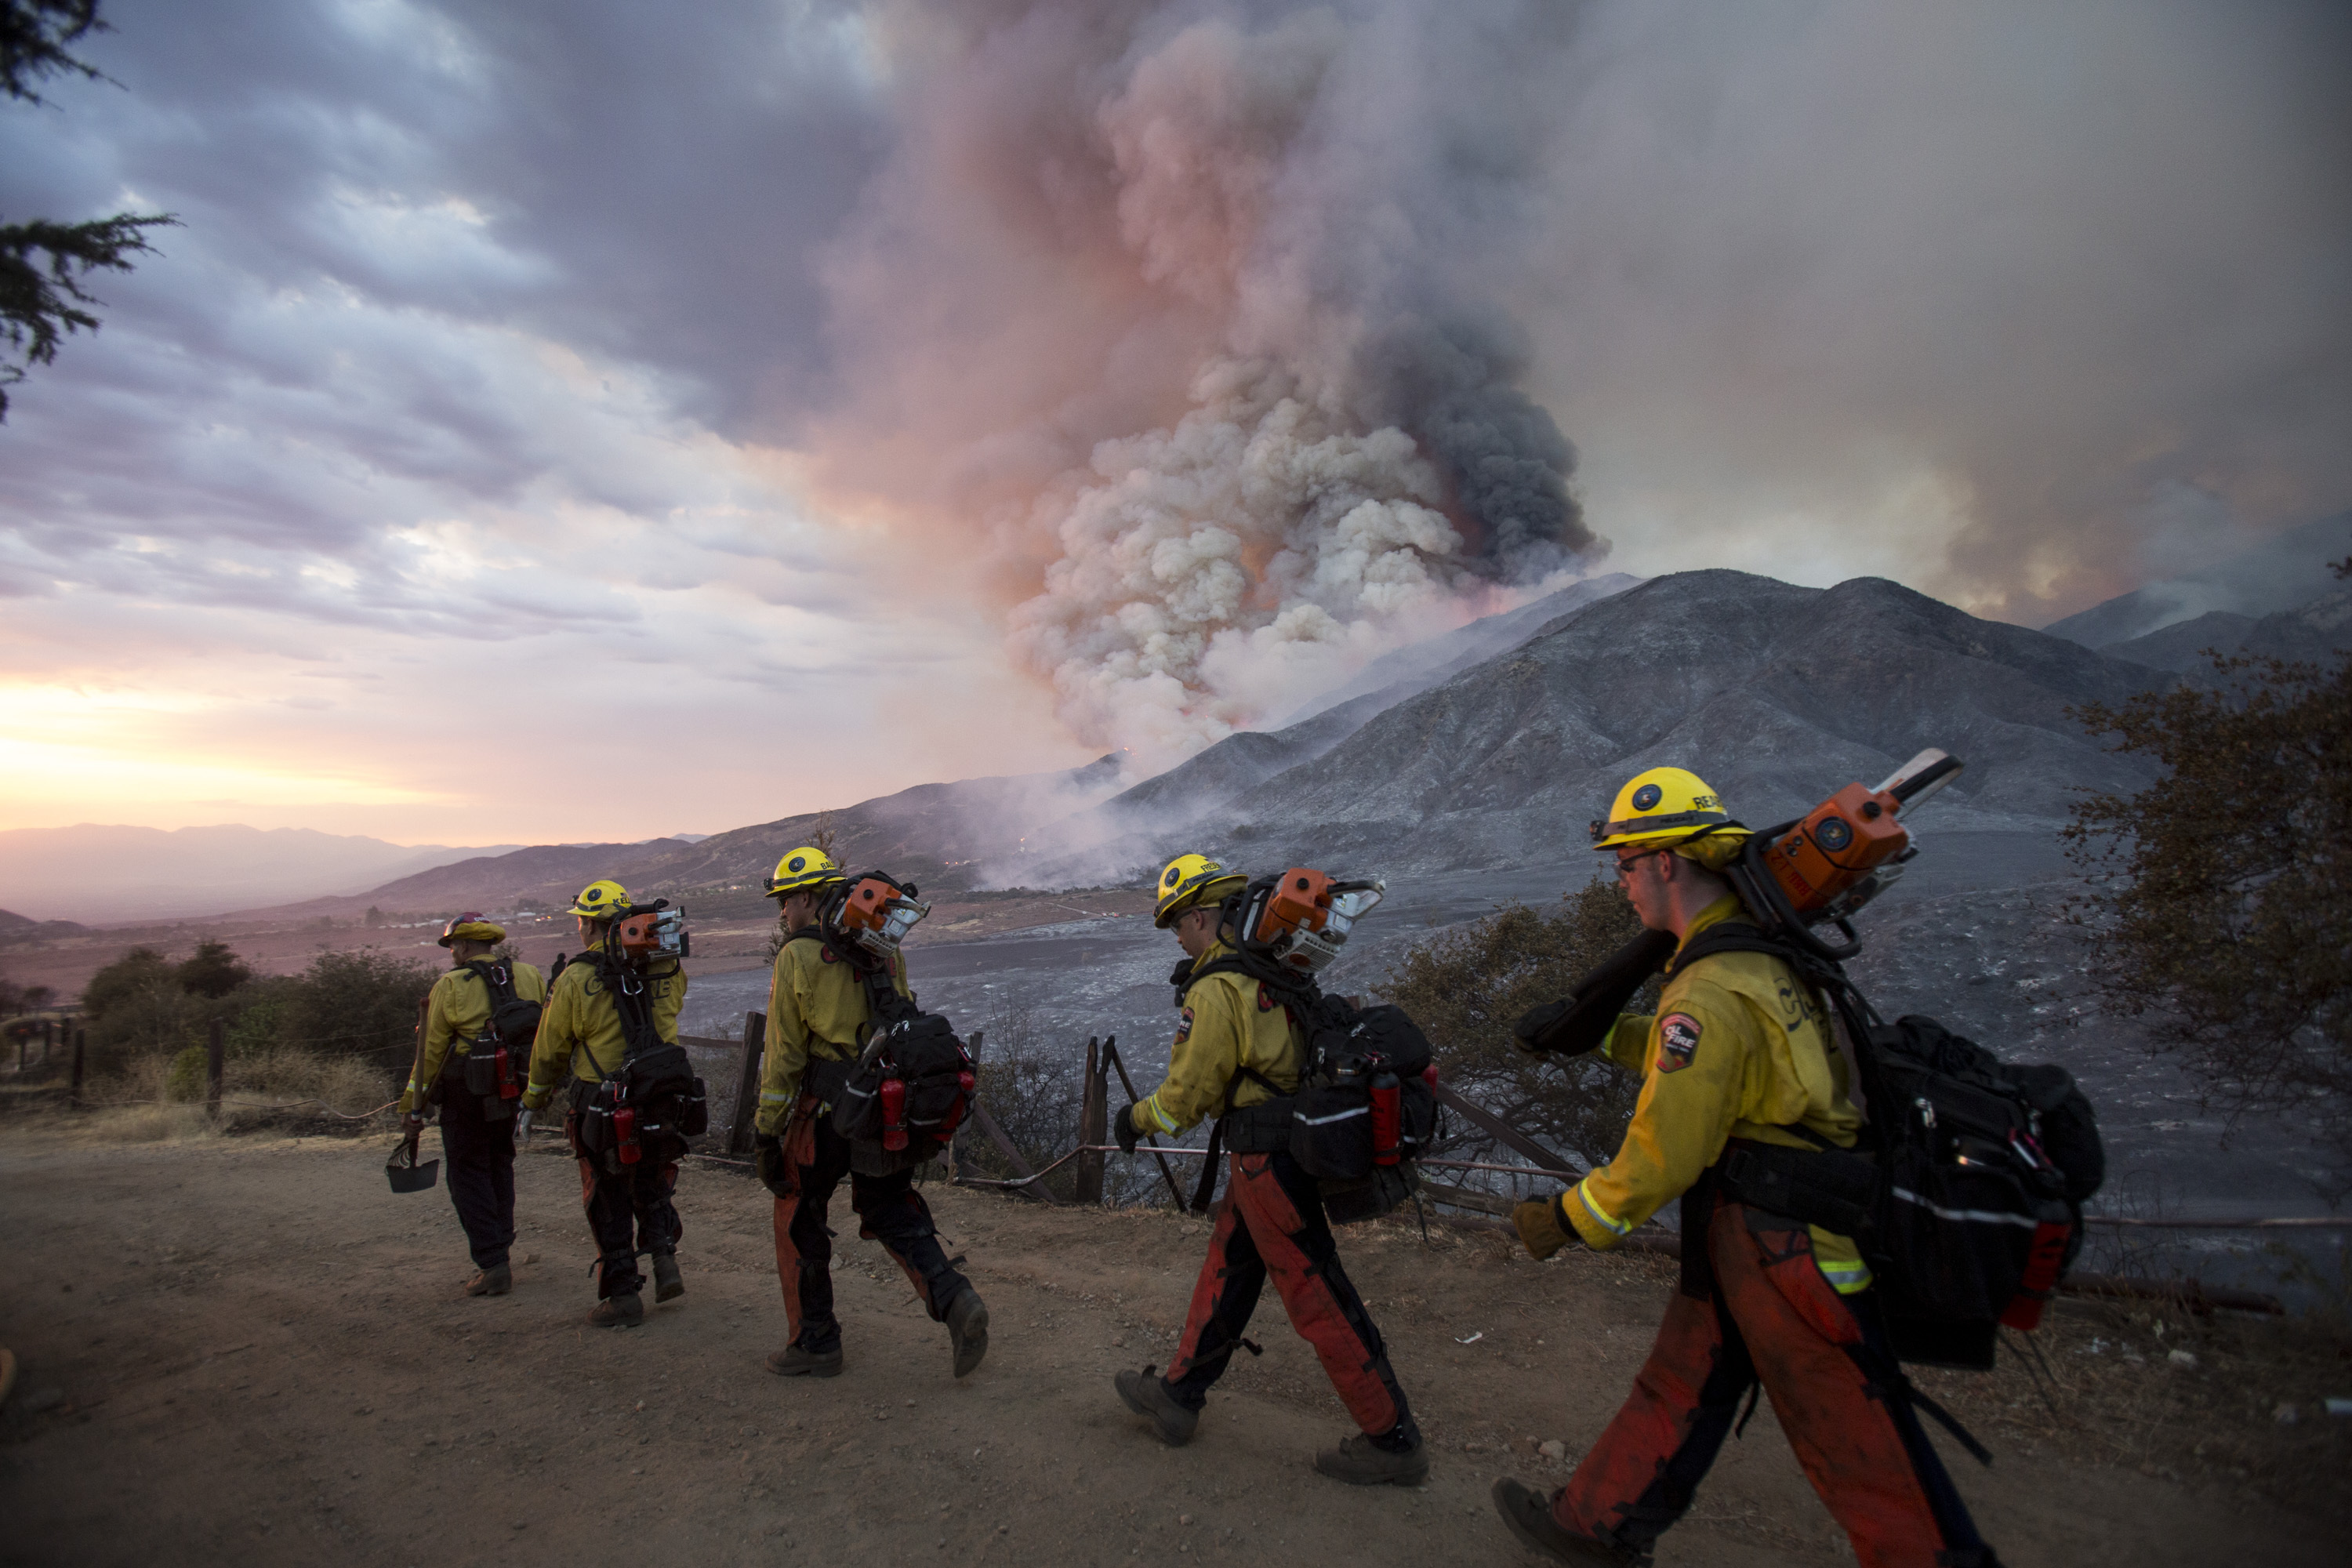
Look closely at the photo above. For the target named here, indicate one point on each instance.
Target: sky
(555, 422)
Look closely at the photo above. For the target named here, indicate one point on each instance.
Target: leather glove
(522, 1124)
(1528, 1033)
(1540, 1227)
(1122, 1128)
(768, 1153)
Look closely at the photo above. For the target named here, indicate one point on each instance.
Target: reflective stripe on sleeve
(1846, 1279)
(1599, 1216)
(1147, 1110)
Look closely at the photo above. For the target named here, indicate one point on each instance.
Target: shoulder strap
(1828, 980)
(496, 978)
(631, 1001)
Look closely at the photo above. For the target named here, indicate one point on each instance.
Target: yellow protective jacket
(1230, 1022)
(817, 1009)
(580, 1033)
(1739, 1049)
(457, 1012)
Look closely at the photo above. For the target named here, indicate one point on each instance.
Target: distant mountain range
(1489, 746)
(2285, 572)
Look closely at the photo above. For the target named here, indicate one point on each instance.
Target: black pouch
(594, 1113)
(1331, 1131)
(660, 1070)
(693, 1116)
(1259, 1129)
(1827, 1187)
(481, 1070)
(1351, 1203)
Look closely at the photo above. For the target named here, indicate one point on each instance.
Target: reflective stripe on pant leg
(1839, 1414)
(1223, 1297)
(1663, 1437)
(1283, 1208)
(893, 1213)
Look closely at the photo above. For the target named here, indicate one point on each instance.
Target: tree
(42, 301)
(213, 971)
(1466, 987)
(2220, 898)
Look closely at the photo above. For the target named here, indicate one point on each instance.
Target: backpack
(497, 1059)
(1365, 1107)
(652, 1102)
(911, 1087)
(1966, 1192)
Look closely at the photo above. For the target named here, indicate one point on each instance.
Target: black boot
(619, 1311)
(967, 1330)
(1528, 1513)
(668, 1285)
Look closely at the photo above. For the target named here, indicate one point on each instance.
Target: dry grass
(273, 1087)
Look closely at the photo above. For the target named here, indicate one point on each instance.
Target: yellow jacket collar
(1723, 908)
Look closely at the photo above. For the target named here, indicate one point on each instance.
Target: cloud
(720, 377)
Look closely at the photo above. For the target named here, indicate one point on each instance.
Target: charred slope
(2315, 633)
(1776, 694)
(934, 833)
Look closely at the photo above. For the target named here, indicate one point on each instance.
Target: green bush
(190, 1070)
(362, 1002)
(1466, 987)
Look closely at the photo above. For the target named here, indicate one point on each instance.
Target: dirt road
(245, 1350)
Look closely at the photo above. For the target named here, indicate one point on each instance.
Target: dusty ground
(246, 1348)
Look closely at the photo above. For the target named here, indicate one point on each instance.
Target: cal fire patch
(1184, 1030)
(1677, 1040)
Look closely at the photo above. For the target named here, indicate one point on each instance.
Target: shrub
(2220, 898)
(1466, 986)
(188, 1075)
(1032, 1096)
(213, 971)
(362, 1002)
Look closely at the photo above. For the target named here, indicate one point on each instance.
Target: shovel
(404, 1174)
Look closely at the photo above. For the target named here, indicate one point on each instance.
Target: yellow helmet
(472, 926)
(1663, 806)
(601, 899)
(805, 870)
(1189, 881)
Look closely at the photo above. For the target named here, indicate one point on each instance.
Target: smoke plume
(1183, 317)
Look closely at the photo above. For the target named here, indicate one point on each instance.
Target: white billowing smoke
(1277, 429)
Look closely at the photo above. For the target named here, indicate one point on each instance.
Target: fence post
(80, 1038)
(213, 1052)
(1094, 1126)
(747, 1083)
(49, 1034)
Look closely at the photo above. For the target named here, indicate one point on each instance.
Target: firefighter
(478, 1130)
(1738, 1051)
(582, 1038)
(819, 1020)
(1236, 1048)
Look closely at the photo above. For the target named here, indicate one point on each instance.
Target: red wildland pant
(1272, 1223)
(889, 1210)
(1840, 1396)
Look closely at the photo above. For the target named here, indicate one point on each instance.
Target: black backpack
(1966, 1191)
(497, 1059)
(652, 1103)
(1366, 1104)
(911, 1087)
(514, 1020)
